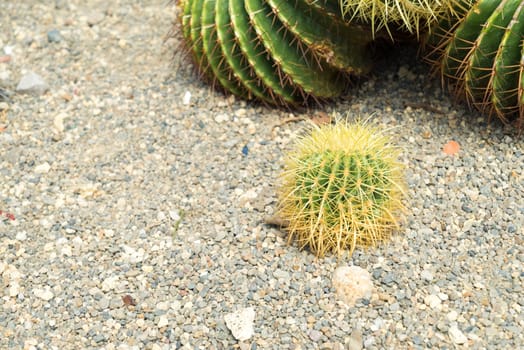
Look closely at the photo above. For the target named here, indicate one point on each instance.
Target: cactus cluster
(293, 52)
(342, 187)
(480, 56)
(282, 52)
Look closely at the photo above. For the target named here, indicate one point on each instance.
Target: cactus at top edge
(283, 52)
(342, 187)
(414, 16)
(481, 57)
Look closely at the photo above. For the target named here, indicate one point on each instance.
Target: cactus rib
(259, 59)
(197, 44)
(508, 68)
(235, 58)
(213, 51)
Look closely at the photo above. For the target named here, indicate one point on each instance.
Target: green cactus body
(521, 93)
(240, 66)
(261, 63)
(460, 47)
(197, 44)
(341, 46)
(480, 57)
(436, 44)
(482, 61)
(213, 51)
(186, 19)
(314, 78)
(507, 75)
(342, 188)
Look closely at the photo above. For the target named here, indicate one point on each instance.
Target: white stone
(44, 294)
(457, 336)
(66, 250)
(433, 301)
(241, 112)
(240, 323)
(162, 306)
(8, 50)
(378, 324)
(222, 117)
(43, 168)
(94, 17)
(21, 236)
(32, 83)
(163, 321)
(133, 255)
(14, 289)
(160, 216)
(174, 215)
(109, 283)
(247, 197)
(369, 342)
(5, 76)
(187, 98)
(77, 242)
(11, 273)
(443, 296)
(49, 247)
(175, 305)
(355, 341)
(352, 283)
(94, 291)
(147, 268)
(452, 315)
(426, 275)
(58, 122)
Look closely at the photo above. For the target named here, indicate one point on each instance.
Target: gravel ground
(139, 212)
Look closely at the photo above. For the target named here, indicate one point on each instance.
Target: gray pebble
(32, 83)
(54, 36)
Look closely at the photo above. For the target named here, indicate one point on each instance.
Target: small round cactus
(342, 187)
(480, 56)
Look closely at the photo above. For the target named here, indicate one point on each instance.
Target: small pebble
(45, 294)
(240, 323)
(457, 336)
(54, 36)
(32, 83)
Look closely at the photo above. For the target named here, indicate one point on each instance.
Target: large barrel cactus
(480, 56)
(283, 52)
